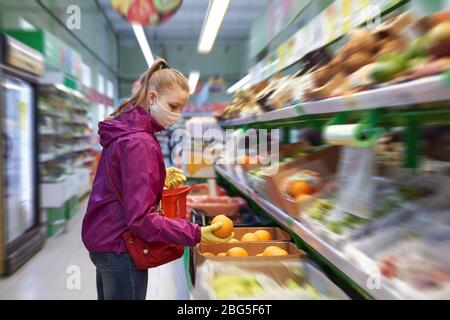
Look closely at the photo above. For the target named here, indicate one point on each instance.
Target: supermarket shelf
(421, 91)
(327, 251)
(88, 159)
(197, 114)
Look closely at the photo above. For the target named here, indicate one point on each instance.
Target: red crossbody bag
(146, 255)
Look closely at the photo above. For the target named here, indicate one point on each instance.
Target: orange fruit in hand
(222, 254)
(227, 226)
(249, 237)
(263, 235)
(237, 252)
(272, 251)
(209, 254)
(298, 188)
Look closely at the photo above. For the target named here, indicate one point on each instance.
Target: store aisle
(46, 275)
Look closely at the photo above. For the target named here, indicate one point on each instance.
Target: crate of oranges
(254, 246)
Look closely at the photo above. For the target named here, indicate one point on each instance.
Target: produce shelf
(421, 91)
(328, 252)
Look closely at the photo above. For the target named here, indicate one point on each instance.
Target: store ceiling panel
(186, 25)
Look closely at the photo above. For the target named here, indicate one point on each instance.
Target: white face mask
(163, 116)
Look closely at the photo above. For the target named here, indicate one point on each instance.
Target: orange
(272, 251)
(233, 240)
(209, 254)
(249, 237)
(263, 235)
(226, 228)
(298, 188)
(259, 255)
(222, 254)
(237, 252)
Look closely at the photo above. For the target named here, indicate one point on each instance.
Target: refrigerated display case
(20, 227)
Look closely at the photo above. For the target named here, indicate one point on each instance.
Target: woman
(132, 163)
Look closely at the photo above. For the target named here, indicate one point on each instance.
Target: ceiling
(186, 25)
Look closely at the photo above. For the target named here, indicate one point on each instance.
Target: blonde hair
(159, 77)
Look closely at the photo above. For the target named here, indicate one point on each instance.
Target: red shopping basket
(174, 202)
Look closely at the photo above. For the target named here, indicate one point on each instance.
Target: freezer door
(18, 158)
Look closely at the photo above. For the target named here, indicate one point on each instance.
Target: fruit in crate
(237, 252)
(273, 251)
(233, 240)
(249, 237)
(222, 254)
(209, 254)
(263, 235)
(227, 226)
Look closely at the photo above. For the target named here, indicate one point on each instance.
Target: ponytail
(138, 98)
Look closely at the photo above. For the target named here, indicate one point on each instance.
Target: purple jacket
(137, 167)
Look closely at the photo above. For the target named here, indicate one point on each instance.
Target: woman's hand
(174, 178)
(209, 237)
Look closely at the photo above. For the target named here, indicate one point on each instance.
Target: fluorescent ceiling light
(193, 80)
(143, 43)
(211, 24)
(239, 84)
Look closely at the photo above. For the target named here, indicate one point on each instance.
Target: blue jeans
(118, 278)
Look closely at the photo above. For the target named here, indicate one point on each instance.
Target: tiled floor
(47, 274)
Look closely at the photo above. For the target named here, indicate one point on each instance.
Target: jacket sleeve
(141, 175)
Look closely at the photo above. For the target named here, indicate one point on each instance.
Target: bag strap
(119, 197)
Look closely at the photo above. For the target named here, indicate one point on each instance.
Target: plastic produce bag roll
(352, 135)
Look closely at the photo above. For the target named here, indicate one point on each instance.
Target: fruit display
(268, 281)
(269, 251)
(237, 252)
(258, 235)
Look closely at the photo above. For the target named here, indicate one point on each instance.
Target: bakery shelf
(420, 91)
